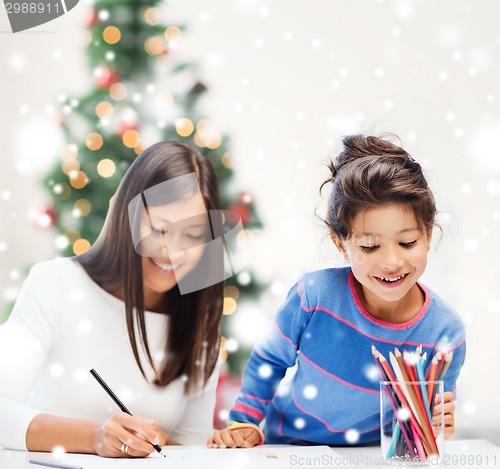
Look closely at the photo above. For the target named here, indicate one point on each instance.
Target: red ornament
(242, 210)
(124, 126)
(104, 77)
(43, 217)
(58, 121)
(92, 18)
(245, 198)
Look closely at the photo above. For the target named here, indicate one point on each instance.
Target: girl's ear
(429, 240)
(339, 244)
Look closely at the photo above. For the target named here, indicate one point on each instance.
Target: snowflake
(469, 408)
(58, 451)
(352, 436)
(299, 423)
(310, 391)
(403, 413)
(265, 371)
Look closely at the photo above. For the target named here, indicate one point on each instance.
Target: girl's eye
(368, 248)
(408, 245)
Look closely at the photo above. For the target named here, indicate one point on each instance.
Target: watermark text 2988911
(26, 14)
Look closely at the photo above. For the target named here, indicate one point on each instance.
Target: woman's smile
(165, 267)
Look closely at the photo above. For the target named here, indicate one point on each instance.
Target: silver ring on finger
(124, 448)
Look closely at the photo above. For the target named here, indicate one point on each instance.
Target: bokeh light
(184, 127)
(118, 91)
(111, 34)
(78, 179)
(173, 33)
(94, 141)
(155, 45)
(131, 138)
(152, 16)
(70, 166)
(229, 306)
(106, 168)
(80, 246)
(83, 206)
(104, 109)
(69, 152)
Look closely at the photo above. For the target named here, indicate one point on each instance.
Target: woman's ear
(339, 244)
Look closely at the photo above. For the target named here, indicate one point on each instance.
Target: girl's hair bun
(372, 171)
(360, 146)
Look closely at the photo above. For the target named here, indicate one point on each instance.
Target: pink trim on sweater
(246, 409)
(283, 335)
(308, 360)
(377, 339)
(361, 331)
(330, 429)
(250, 396)
(280, 426)
(389, 325)
(458, 345)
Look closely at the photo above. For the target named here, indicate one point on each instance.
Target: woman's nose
(174, 245)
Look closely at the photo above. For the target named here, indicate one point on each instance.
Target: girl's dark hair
(193, 341)
(372, 171)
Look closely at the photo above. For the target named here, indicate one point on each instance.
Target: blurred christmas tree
(141, 94)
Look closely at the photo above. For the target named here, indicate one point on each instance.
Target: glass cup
(407, 435)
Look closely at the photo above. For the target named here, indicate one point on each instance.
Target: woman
(142, 306)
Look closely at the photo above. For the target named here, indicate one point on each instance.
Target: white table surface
(457, 454)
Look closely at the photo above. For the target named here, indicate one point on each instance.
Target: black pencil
(117, 401)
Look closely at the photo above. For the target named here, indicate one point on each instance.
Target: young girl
(119, 308)
(380, 216)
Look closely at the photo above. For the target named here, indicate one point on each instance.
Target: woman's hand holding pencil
(123, 436)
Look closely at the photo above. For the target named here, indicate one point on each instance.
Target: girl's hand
(449, 414)
(235, 438)
(123, 436)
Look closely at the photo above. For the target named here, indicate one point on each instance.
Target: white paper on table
(473, 453)
(259, 457)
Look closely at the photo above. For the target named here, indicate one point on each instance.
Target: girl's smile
(391, 282)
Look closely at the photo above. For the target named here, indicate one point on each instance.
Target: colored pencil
(423, 386)
(426, 425)
(431, 375)
(420, 447)
(414, 390)
(395, 404)
(447, 363)
(400, 392)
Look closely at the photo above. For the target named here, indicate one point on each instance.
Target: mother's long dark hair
(193, 342)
